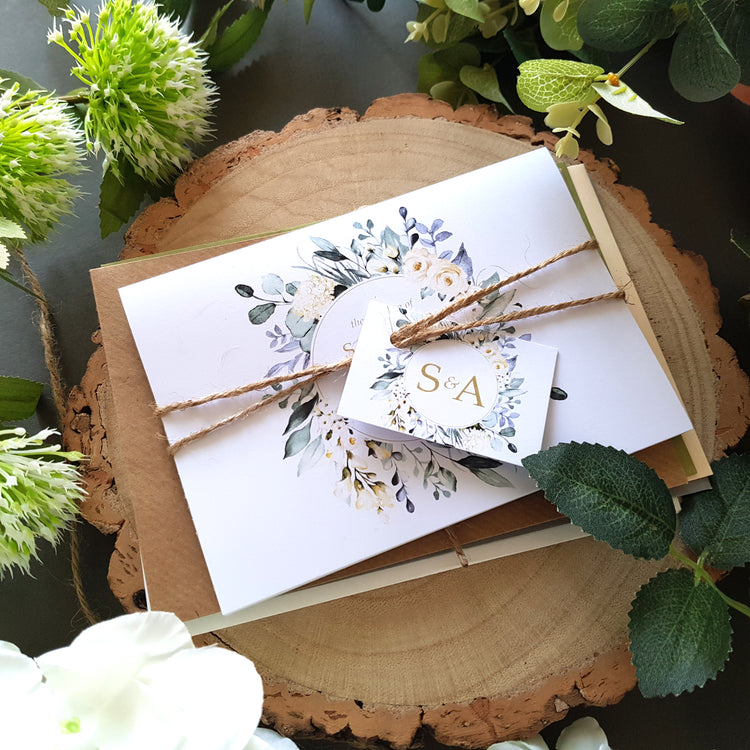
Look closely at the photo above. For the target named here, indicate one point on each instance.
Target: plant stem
(704, 575)
(67, 99)
(628, 65)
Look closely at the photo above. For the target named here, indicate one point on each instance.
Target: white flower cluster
(313, 297)
(439, 274)
(493, 353)
(39, 142)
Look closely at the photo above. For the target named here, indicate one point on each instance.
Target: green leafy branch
(680, 632)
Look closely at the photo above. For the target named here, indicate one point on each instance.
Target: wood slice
(476, 655)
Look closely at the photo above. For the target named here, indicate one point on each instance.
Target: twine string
(407, 336)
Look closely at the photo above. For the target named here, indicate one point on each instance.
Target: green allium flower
(39, 494)
(39, 142)
(149, 94)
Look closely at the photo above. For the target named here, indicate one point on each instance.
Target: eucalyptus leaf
(731, 19)
(311, 455)
(297, 441)
(619, 25)
(458, 29)
(609, 494)
(560, 35)
(680, 634)
(624, 98)
(467, 8)
(300, 413)
(542, 83)
(717, 521)
(272, 284)
(119, 198)
(18, 398)
(244, 290)
(493, 478)
(484, 81)
(261, 313)
(238, 38)
(701, 67)
(11, 230)
(297, 325)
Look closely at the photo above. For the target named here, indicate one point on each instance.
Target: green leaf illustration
(493, 478)
(624, 98)
(311, 455)
(680, 634)
(18, 398)
(300, 413)
(560, 35)
(271, 283)
(717, 521)
(619, 25)
(701, 67)
(238, 39)
(261, 313)
(297, 441)
(609, 494)
(542, 83)
(298, 326)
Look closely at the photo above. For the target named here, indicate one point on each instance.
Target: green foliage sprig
(680, 632)
(710, 53)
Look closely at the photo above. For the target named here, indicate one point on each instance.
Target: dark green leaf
(307, 9)
(619, 25)
(717, 521)
(18, 398)
(24, 83)
(261, 313)
(472, 462)
(680, 634)
(334, 255)
(178, 8)
(119, 199)
(238, 39)
(460, 27)
(557, 394)
(609, 494)
(55, 7)
(522, 42)
(297, 441)
(300, 413)
(244, 290)
(701, 67)
(212, 30)
(443, 66)
(375, 5)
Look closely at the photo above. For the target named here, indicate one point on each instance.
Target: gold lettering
(348, 347)
(435, 381)
(471, 391)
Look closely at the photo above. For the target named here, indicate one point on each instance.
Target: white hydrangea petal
(94, 669)
(267, 739)
(533, 743)
(217, 692)
(19, 674)
(583, 734)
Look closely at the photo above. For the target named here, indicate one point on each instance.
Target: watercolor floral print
(376, 475)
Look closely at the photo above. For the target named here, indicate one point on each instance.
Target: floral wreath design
(375, 474)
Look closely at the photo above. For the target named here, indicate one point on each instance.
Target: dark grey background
(694, 177)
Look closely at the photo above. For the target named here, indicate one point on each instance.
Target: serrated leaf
(119, 199)
(542, 83)
(466, 8)
(11, 230)
(212, 30)
(261, 313)
(619, 25)
(624, 98)
(484, 81)
(609, 494)
(18, 398)
(560, 35)
(717, 521)
(9, 77)
(55, 7)
(297, 441)
(701, 67)
(680, 634)
(237, 39)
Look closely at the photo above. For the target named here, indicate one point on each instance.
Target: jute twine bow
(413, 334)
